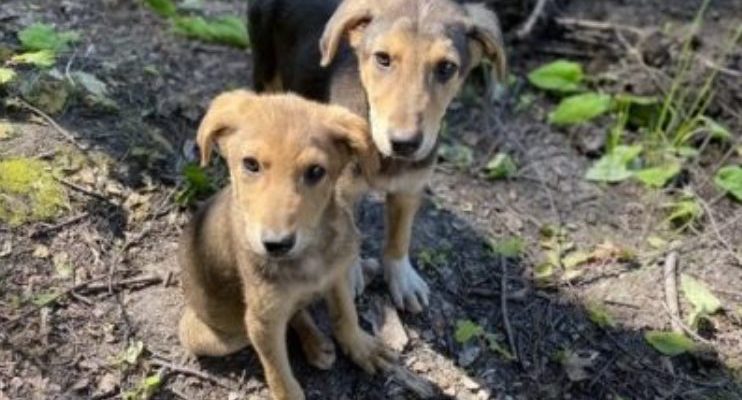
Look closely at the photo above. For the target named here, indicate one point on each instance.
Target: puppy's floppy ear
(484, 28)
(352, 131)
(349, 17)
(222, 118)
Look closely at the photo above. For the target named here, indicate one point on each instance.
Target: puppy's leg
(267, 332)
(318, 347)
(409, 291)
(365, 350)
(202, 340)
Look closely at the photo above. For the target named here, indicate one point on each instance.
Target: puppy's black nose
(281, 246)
(407, 146)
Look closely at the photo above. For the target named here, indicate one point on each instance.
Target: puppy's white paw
(409, 291)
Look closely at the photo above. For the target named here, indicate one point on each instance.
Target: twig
(717, 232)
(7, 324)
(84, 287)
(685, 328)
(192, 372)
(597, 25)
(51, 228)
(671, 290)
(526, 29)
(504, 307)
(136, 281)
(416, 384)
(64, 132)
(82, 190)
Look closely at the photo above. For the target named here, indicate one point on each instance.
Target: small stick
(527, 27)
(685, 328)
(51, 228)
(504, 307)
(139, 280)
(82, 190)
(64, 132)
(422, 388)
(192, 372)
(671, 290)
(597, 25)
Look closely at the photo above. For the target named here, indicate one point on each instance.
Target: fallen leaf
(41, 58)
(228, 30)
(669, 343)
(577, 363)
(575, 259)
(729, 179)
(599, 314)
(467, 330)
(704, 302)
(6, 75)
(501, 166)
(510, 247)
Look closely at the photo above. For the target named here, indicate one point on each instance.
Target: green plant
(44, 37)
(669, 343)
(229, 29)
(698, 294)
(729, 179)
(196, 185)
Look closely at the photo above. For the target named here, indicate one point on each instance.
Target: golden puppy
(281, 235)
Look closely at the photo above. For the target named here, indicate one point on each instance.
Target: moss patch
(28, 192)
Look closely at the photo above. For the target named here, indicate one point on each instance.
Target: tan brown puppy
(398, 62)
(279, 236)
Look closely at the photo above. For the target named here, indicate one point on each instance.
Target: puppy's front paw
(289, 391)
(320, 351)
(370, 353)
(409, 291)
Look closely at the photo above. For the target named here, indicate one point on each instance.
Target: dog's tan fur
(403, 100)
(238, 294)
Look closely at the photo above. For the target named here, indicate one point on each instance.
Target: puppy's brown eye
(251, 165)
(444, 70)
(314, 174)
(383, 60)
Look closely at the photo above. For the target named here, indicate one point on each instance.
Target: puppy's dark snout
(279, 246)
(407, 145)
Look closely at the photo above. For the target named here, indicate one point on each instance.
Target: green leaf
(91, 84)
(560, 75)
(229, 30)
(132, 352)
(698, 294)
(44, 299)
(684, 211)
(580, 108)
(729, 179)
(44, 37)
(716, 130)
(500, 166)
(6, 75)
(510, 247)
(457, 154)
(493, 343)
(629, 99)
(657, 177)
(575, 259)
(669, 343)
(41, 58)
(613, 167)
(163, 8)
(599, 315)
(467, 330)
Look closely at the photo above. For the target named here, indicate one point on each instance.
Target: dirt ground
(109, 257)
